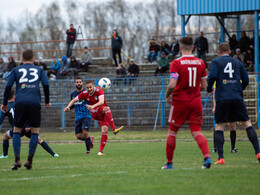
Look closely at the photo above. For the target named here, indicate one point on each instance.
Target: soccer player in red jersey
(187, 78)
(98, 109)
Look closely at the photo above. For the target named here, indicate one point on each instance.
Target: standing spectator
(175, 47)
(55, 67)
(63, 69)
(243, 42)
(71, 38)
(3, 67)
(133, 71)
(74, 67)
(42, 64)
(120, 73)
(201, 44)
(10, 66)
(163, 65)
(239, 56)
(153, 50)
(86, 59)
(164, 47)
(117, 44)
(249, 60)
(233, 44)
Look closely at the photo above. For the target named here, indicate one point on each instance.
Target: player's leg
(215, 150)
(8, 135)
(86, 123)
(17, 147)
(46, 147)
(233, 135)
(219, 130)
(109, 118)
(103, 140)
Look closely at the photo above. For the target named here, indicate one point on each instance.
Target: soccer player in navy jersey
(188, 78)
(231, 79)
(26, 131)
(27, 103)
(82, 117)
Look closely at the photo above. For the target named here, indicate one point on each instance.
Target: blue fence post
(163, 104)
(182, 25)
(63, 117)
(238, 27)
(157, 113)
(129, 114)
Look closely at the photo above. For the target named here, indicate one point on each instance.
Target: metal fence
(140, 102)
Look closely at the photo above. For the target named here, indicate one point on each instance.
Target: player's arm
(170, 89)
(101, 101)
(212, 77)
(71, 98)
(214, 101)
(244, 77)
(72, 102)
(8, 88)
(203, 84)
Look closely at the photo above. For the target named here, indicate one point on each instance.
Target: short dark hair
(11, 95)
(223, 48)
(28, 55)
(186, 43)
(78, 78)
(89, 81)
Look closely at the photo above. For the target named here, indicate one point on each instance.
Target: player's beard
(79, 87)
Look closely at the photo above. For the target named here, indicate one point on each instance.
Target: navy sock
(5, 147)
(219, 136)
(17, 145)
(33, 143)
(251, 133)
(233, 135)
(214, 139)
(87, 143)
(47, 148)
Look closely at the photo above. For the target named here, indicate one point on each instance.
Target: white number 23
(32, 71)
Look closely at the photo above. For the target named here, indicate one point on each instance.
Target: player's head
(11, 95)
(28, 56)
(90, 86)
(186, 44)
(79, 83)
(223, 48)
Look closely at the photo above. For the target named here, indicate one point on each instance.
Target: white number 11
(192, 78)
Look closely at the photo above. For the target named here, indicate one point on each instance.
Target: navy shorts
(82, 124)
(231, 111)
(27, 112)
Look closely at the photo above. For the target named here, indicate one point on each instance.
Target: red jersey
(189, 71)
(92, 99)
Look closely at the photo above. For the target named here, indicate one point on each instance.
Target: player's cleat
(206, 163)
(4, 156)
(27, 165)
(16, 166)
(258, 157)
(220, 162)
(234, 150)
(88, 152)
(92, 141)
(100, 154)
(56, 155)
(167, 166)
(118, 129)
(215, 150)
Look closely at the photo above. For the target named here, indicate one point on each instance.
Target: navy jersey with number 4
(80, 107)
(27, 78)
(230, 76)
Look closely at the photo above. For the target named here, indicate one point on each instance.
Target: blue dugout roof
(210, 7)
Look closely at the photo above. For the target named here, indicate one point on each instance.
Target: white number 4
(228, 69)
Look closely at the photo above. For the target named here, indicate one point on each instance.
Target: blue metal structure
(222, 9)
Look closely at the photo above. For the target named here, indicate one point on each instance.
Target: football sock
(233, 135)
(214, 140)
(251, 133)
(170, 147)
(87, 143)
(109, 119)
(103, 141)
(17, 145)
(47, 148)
(30, 158)
(203, 145)
(5, 147)
(220, 142)
(33, 143)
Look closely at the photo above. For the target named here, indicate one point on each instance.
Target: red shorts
(98, 114)
(186, 111)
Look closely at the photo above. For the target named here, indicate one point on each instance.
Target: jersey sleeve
(100, 92)
(81, 96)
(213, 75)
(2, 117)
(8, 86)
(244, 76)
(174, 70)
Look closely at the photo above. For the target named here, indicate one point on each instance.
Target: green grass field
(131, 168)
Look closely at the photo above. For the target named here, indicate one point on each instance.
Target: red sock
(203, 144)
(103, 141)
(170, 147)
(109, 119)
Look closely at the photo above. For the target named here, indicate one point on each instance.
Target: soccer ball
(104, 83)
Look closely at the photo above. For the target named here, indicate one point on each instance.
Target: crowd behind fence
(135, 104)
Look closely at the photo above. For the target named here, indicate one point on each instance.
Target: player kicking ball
(98, 109)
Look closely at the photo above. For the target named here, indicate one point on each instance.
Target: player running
(231, 79)
(25, 130)
(82, 117)
(27, 103)
(187, 79)
(98, 109)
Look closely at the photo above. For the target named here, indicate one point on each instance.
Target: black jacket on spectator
(133, 69)
(176, 47)
(155, 47)
(233, 44)
(11, 65)
(71, 36)
(117, 42)
(43, 65)
(121, 72)
(75, 63)
(202, 42)
(244, 43)
(162, 48)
